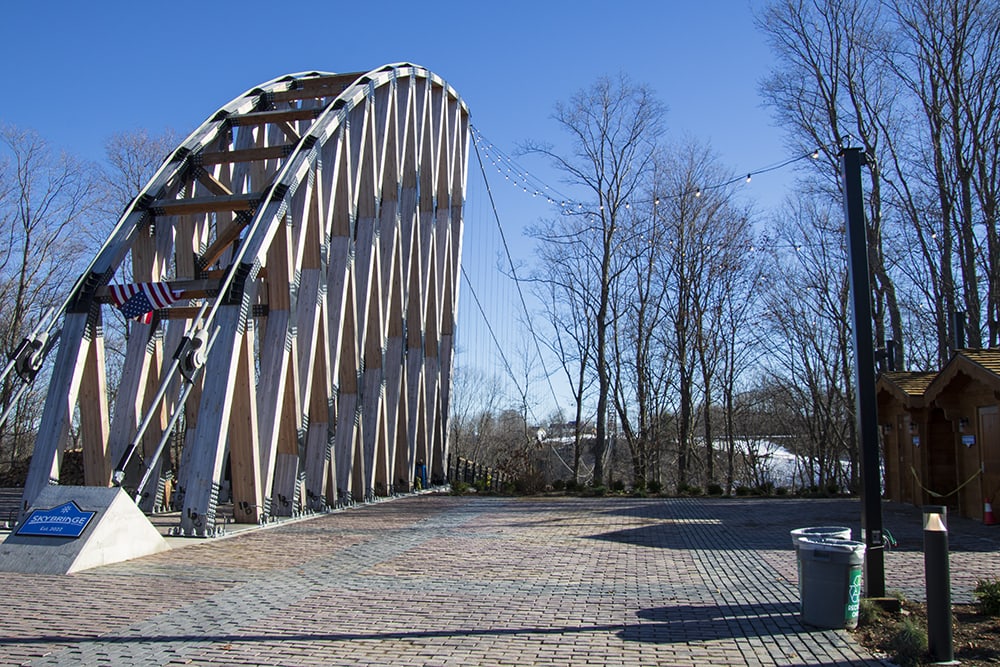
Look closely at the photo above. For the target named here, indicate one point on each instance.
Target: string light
(536, 186)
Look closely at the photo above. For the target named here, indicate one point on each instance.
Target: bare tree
(914, 81)
(951, 54)
(809, 341)
(831, 89)
(638, 368)
(476, 398)
(133, 157)
(704, 237)
(562, 288)
(46, 202)
(614, 126)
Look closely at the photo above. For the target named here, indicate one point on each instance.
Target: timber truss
(307, 239)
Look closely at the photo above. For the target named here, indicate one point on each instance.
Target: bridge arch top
(345, 92)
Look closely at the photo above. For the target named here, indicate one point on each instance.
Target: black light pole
(866, 409)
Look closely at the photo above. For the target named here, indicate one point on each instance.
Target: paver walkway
(442, 580)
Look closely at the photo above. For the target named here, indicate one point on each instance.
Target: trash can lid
(799, 534)
(821, 530)
(832, 544)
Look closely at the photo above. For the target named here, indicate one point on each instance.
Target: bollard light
(938, 581)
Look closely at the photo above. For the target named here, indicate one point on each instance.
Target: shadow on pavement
(670, 624)
(687, 623)
(765, 523)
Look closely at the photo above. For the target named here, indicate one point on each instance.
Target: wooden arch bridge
(292, 271)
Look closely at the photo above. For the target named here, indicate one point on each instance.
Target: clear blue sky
(76, 72)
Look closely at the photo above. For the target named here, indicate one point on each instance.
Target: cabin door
(989, 451)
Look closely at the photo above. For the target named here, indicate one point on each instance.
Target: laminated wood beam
(214, 185)
(274, 116)
(245, 155)
(94, 420)
(57, 412)
(236, 202)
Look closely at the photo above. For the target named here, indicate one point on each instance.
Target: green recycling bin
(830, 581)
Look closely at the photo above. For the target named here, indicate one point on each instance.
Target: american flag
(138, 300)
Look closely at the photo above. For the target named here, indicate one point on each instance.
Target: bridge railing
(481, 476)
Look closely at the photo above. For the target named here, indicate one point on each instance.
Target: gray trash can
(799, 534)
(830, 581)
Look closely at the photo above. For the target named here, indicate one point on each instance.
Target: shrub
(714, 489)
(742, 490)
(595, 491)
(868, 612)
(987, 595)
(572, 485)
(618, 486)
(909, 644)
(765, 489)
(558, 485)
(781, 491)
(654, 487)
(458, 488)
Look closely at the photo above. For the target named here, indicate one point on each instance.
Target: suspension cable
(517, 281)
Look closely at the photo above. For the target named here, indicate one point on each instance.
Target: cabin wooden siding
(955, 416)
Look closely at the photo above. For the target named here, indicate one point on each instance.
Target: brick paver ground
(442, 580)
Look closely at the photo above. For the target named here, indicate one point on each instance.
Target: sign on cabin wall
(968, 440)
(66, 520)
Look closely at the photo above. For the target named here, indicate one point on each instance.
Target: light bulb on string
(697, 193)
(748, 178)
(815, 154)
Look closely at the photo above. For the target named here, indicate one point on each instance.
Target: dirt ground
(975, 638)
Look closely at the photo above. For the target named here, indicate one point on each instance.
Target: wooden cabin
(967, 393)
(906, 434)
(941, 433)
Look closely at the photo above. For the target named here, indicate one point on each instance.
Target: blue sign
(67, 520)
